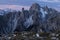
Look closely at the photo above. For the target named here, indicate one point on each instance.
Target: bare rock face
(29, 19)
(9, 23)
(53, 22)
(35, 7)
(35, 19)
(35, 11)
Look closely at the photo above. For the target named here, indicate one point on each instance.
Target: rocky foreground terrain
(31, 36)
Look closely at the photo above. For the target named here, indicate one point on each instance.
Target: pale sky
(18, 4)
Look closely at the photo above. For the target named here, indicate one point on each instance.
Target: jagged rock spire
(46, 8)
(35, 7)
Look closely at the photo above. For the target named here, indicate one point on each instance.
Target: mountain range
(35, 19)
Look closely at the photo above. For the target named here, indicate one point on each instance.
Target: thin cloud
(14, 7)
(49, 0)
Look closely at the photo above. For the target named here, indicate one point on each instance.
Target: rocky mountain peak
(45, 8)
(35, 7)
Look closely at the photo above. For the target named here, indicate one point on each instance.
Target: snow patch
(28, 22)
(43, 13)
(37, 35)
